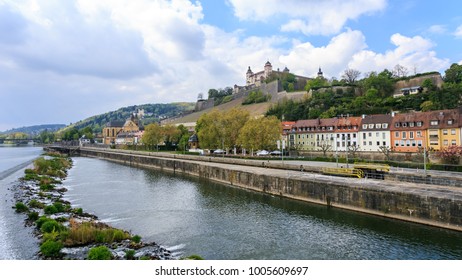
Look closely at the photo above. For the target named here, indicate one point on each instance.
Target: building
(258, 78)
(286, 133)
(347, 133)
(374, 132)
(443, 129)
(408, 132)
(313, 135)
(123, 132)
(111, 130)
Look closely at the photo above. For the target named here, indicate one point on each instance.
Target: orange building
(408, 131)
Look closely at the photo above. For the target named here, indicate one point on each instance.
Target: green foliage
(51, 225)
(21, 207)
(193, 257)
(454, 74)
(87, 233)
(136, 239)
(50, 209)
(33, 216)
(36, 204)
(256, 97)
(99, 253)
(130, 254)
(51, 249)
(41, 221)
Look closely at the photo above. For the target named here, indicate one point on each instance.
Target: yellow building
(443, 129)
(121, 132)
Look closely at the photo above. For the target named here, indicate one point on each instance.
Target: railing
(352, 172)
(372, 166)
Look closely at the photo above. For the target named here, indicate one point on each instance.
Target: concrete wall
(388, 199)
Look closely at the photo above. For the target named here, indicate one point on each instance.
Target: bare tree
(351, 75)
(325, 148)
(386, 151)
(400, 71)
(353, 150)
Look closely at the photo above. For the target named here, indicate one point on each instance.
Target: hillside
(254, 109)
(35, 129)
(152, 113)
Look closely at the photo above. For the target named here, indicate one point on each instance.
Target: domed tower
(268, 69)
(320, 73)
(248, 76)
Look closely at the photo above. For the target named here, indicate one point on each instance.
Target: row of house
(406, 132)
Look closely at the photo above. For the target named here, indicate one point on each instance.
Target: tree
(152, 135)
(170, 134)
(451, 154)
(427, 106)
(386, 151)
(325, 148)
(351, 75)
(453, 74)
(260, 133)
(400, 71)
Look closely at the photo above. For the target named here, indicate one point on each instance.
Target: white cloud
(415, 53)
(307, 16)
(458, 32)
(437, 29)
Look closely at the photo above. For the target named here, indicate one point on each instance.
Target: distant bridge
(18, 141)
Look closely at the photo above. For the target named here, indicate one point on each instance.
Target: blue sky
(63, 61)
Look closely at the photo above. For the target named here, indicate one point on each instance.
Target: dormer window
(450, 122)
(385, 125)
(371, 125)
(404, 124)
(419, 124)
(433, 122)
(378, 125)
(397, 124)
(411, 124)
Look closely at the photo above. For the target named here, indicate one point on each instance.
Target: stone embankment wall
(438, 206)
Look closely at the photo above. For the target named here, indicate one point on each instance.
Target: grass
(99, 253)
(88, 232)
(21, 207)
(51, 249)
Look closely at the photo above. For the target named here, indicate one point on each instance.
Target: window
(402, 143)
(411, 124)
(385, 125)
(445, 132)
(397, 134)
(411, 134)
(364, 143)
(371, 125)
(364, 126)
(419, 143)
(453, 142)
(450, 122)
(370, 134)
(383, 135)
(370, 143)
(419, 133)
(445, 142)
(453, 132)
(404, 135)
(378, 143)
(419, 124)
(384, 143)
(364, 135)
(413, 143)
(378, 125)
(397, 124)
(404, 124)
(408, 143)
(377, 134)
(396, 143)
(433, 122)
(354, 135)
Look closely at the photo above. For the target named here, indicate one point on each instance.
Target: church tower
(320, 73)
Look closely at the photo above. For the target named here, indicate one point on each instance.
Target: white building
(375, 132)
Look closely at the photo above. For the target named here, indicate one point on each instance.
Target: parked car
(263, 153)
(218, 152)
(276, 153)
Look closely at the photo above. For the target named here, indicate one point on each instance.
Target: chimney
(363, 116)
(392, 114)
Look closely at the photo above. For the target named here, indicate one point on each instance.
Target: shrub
(42, 220)
(33, 216)
(50, 209)
(99, 253)
(47, 187)
(194, 257)
(59, 207)
(78, 211)
(50, 226)
(130, 254)
(136, 239)
(51, 248)
(21, 207)
(36, 204)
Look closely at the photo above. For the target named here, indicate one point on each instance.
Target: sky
(64, 61)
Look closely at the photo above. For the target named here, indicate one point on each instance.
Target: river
(193, 216)
(16, 240)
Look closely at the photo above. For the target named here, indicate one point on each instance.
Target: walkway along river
(426, 204)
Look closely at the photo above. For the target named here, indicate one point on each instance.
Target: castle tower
(268, 69)
(248, 76)
(320, 73)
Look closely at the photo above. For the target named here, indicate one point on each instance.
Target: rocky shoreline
(70, 233)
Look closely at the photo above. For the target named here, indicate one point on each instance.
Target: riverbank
(434, 205)
(70, 233)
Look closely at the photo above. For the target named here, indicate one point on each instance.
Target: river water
(192, 216)
(16, 240)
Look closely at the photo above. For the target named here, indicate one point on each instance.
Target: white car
(263, 153)
(218, 152)
(276, 153)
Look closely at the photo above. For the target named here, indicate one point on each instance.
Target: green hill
(152, 113)
(35, 129)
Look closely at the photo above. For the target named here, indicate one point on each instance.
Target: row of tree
(171, 136)
(236, 129)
